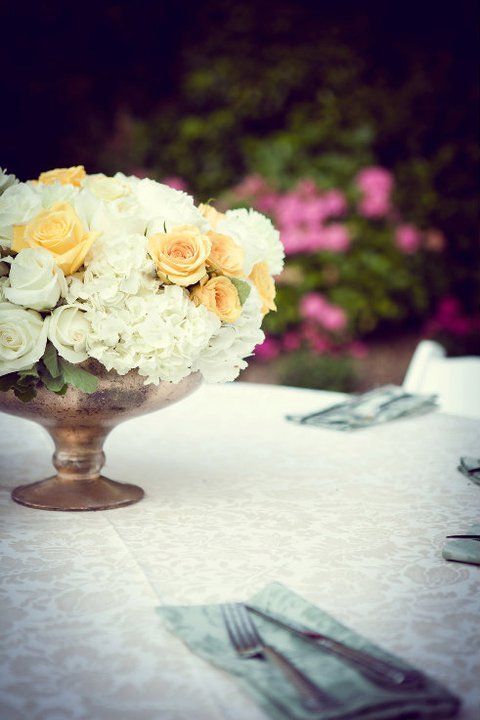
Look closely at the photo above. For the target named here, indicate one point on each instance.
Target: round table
(236, 497)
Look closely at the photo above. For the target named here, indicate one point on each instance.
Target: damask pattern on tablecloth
(236, 498)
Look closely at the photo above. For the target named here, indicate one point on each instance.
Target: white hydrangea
(164, 208)
(18, 204)
(224, 357)
(54, 193)
(258, 237)
(162, 335)
(117, 266)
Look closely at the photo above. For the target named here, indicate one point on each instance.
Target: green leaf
(243, 289)
(56, 385)
(77, 376)
(8, 381)
(50, 360)
(31, 372)
(25, 394)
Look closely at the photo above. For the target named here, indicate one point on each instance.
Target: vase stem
(78, 485)
(78, 452)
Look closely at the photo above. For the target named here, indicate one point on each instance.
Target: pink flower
(320, 344)
(317, 341)
(448, 307)
(250, 186)
(334, 318)
(375, 178)
(293, 240)
(177, 183)
(315, 306)
(291, 341)
(335, 203)
(289, 210)
(450, 318)
(312, 306)
(267, 203)
(313, 210)
(407, 238)
(375, 205)
(306, 187)
(376, 185)
(269, 349)
(336, 238)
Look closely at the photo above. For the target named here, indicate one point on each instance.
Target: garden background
(353, 125)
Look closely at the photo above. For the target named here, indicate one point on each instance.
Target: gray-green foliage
(55, 373)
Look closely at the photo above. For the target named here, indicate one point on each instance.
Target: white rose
(36, 281)
(18, 204)
(68, 331)
(6, 180)
(119, 215)
(23, 337)
(164, 208)
(106, 188)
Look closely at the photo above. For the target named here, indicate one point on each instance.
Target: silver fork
(248, 643)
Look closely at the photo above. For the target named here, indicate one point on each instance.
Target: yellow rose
(220, 296)
(180, 255)
(210, 214)
(263, 281)
(60, 231)
(65, 176)
(226, 257)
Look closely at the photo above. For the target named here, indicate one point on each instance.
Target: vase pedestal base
(81, 495)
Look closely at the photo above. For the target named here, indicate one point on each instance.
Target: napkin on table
(385, 403)
(462, 549)
(470, 467)
(202, 628)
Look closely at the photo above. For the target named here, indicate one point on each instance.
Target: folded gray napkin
(462, 549)
(371, 408)
(470, 467)
(202, 628)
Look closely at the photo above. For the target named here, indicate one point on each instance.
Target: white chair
(456, 381)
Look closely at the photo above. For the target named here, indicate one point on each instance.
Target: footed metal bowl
(79, 424)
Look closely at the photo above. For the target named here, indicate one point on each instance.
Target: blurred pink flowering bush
(354, 264)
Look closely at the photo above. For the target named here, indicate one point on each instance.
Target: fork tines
(242, 632)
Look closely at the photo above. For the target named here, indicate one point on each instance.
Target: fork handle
(313, 698)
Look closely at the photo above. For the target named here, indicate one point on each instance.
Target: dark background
(69, 68)
(214, 91)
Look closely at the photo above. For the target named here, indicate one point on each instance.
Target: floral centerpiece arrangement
(128, 272)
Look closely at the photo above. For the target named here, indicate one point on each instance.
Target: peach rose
(263, 281)
(226, 257)
(209, 213)
(180, 255)
(220, 296)
(60, 231)
(66, 176)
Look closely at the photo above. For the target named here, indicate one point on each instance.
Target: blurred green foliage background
(213, 92)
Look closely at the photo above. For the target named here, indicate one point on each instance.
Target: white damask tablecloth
(236, 497)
